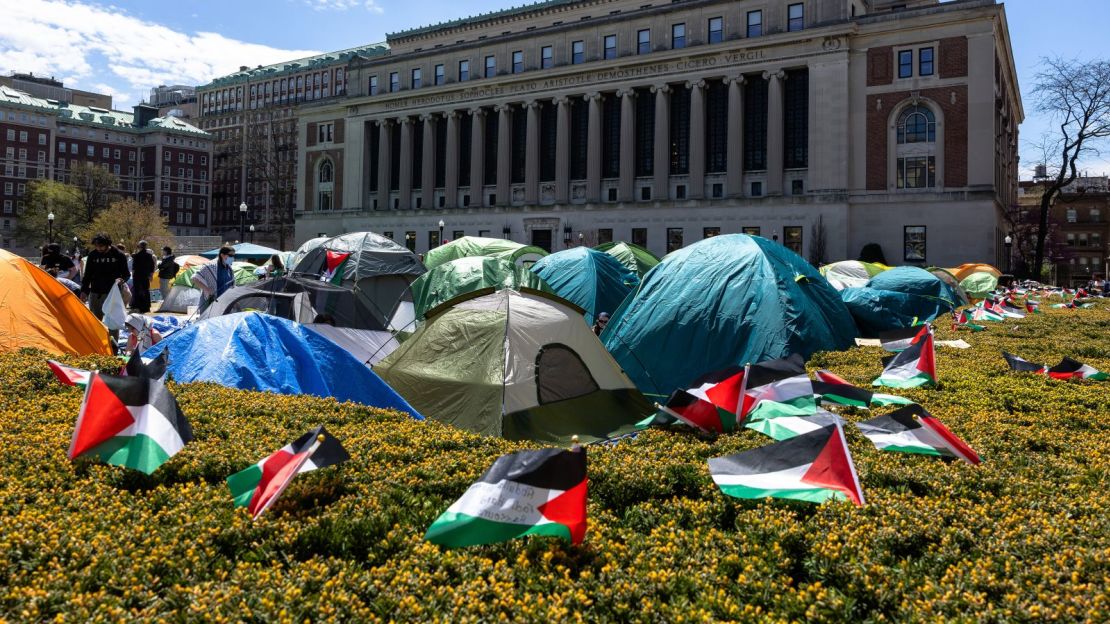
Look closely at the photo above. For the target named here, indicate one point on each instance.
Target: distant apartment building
(1080, 220)
(51, 89)
(175, 101)
(159, 160)
(253, 116)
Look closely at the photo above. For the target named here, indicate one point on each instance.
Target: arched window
(325, 178)
(917, 124)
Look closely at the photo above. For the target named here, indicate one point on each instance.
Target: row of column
(626, 183)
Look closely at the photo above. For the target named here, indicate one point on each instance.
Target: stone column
(504, 154)
(562, 150)
(451, 172)
(626, 190)
(477, 155)
(532, 155)
(593, 149)
(696, 186)
(661, 166)
(428, 163)
(734, 181)
(404, 184)
(775, 149)
(385, 162)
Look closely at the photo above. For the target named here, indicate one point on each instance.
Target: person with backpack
(167, 270)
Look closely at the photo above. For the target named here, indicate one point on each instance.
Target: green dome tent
(476, 246)
(521, 365)
(946, 277)
(636, 258)
(588, 278)
(724, 301)
(466, 275)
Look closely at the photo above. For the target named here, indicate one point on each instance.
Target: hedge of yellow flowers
(1023, 537)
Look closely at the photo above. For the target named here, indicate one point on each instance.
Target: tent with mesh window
(518, 364)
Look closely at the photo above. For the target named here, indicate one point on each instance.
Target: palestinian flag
(154, 369)
(814, 466)
(962, 319)
(1022, 365)
(1008, 311)
(524, 493)
(777, 388)
(832, 389)
(257, 487)
(68, 375)
(1072, 369)
(129, 421)
(912, 368)
(981, 313)
(334, 264)
(897, 340)
(913, 430)
(699, 413)
(786, 427)
(1032, 307)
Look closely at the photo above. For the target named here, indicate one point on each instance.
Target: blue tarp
(253, 351)
(245, 251)
(727, 300)
(591, 279)
(899, 298)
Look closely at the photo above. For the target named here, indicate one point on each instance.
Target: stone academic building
(823, 124)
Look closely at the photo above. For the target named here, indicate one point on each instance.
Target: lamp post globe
(1008, 241)
(243, 221)
(50, 232)
(252, 232)
(441, 224)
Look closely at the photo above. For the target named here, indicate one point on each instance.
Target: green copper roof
(482, 17)
(91, 115)
(327, 59)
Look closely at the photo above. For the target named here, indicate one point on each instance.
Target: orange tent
(961, 272)
(37, 311)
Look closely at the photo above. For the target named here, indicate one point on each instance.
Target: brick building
(159, 160)
(826, 124)
(253, 116)
(1080, 220)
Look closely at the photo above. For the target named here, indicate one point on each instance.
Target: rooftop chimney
(143, 114)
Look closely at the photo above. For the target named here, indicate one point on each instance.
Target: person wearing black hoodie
(105, 269)
(167, 270)
(142, 268)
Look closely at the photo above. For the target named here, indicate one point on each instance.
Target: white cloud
(343, 5)
(96, 47)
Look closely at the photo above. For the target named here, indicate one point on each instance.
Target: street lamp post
(50, 232)
(441, 224)
(243, 221)
(1009, 242)
(74, 246)
(581, 238)
(252, 232)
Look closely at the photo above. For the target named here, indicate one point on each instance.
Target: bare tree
(1075, 95)
(270, 153)
(1024, 226)
(96, 185)
(817, 249)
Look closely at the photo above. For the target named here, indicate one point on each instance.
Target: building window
(324, 132)
(604, 235)
(716, 29)
(410, 240)
(797, 187)
(42, 139)
(795, 17)
(547, 57)
(417, 74)
(796, 119)
(678, 40)
(1095, 215)
(645, 135)
(750, 230)
(905, 64)
(680, 132)
(917, 172)
(433, 239)
(643, 41)
(639, 237)
(518, 61)
(674, 239)
(610, 137)
(917, 124)
(925, 62)
(610, 47)
(913, 240)
(491, 66)
(464, 71)
(440, 74)
(577, 52)
(757, 189)
(710, 232)
(792, 238)
(325, 178)
(716, 127)
(755, 23)
(61, 144)
(755, 124)
(394, 82)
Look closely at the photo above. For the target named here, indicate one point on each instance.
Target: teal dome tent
(590, 279)
(727, 300)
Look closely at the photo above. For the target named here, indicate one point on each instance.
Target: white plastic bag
(115, 311)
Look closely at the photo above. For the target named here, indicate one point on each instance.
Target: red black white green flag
(777, 388)
(962, 319)
(335, 263)
(913, 430)
(832, 389)
(69, 375)
(710, 404)
(1072, 369)
(915, 367)
(154, 369)
(524, 493)
(1022, 365)
(814, 466)
(897, 340)
(129, 421)
(259, 486)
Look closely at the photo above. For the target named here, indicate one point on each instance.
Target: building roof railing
(325, 59)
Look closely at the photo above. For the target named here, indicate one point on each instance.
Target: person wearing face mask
(215, 278)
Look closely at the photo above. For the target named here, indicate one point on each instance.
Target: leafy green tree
(42, 198)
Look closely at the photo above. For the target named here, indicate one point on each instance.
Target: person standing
(216, 277)
(167, 270)
(56, 263)
(105, 269)
(142, 269)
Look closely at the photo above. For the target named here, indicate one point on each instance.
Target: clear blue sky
(127, 46)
